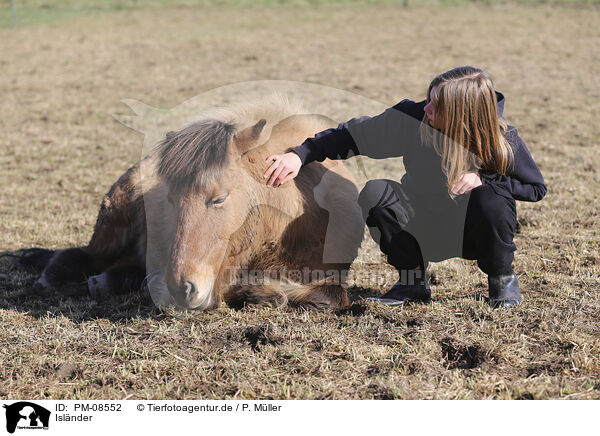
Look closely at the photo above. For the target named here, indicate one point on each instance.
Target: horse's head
(211, 200)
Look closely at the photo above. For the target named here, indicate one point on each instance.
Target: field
(65, 73)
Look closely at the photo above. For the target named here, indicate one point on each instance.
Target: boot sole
(504, 303)
(393, 302)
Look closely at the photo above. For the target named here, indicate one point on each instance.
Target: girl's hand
(467, 182)
(284, 167)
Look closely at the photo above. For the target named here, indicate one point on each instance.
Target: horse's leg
(33, 259)
(119, 279)
(117, 233)
(76, 264)
(67, 266)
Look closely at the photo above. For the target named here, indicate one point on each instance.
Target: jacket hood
(500, 99)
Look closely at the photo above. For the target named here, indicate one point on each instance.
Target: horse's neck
(286, 198)
(254, 162)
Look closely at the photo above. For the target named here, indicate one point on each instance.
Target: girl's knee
(372, 192)
(485, 203)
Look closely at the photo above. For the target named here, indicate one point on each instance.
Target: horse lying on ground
(197, 224)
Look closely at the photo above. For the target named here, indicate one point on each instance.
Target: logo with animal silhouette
(26, 415)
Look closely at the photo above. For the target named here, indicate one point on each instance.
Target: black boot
(504, 290)
(406, 289)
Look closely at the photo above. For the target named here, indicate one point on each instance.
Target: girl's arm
(385, 135)
(525, 182)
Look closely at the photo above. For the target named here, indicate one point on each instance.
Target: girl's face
(429, 108)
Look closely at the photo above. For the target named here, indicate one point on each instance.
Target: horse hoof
(42, 287)
(98, 287)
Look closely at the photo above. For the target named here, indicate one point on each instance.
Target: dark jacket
(396, 132)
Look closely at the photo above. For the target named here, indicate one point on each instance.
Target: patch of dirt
(550, 368)
(377, 368)
(378, 392)
(316, 345)
(410, 333)
(414, 322)
(590, 260)
(391, 315)
(261, 335)
(463, 356)
(433, 278)
(358, 308)
(477, 315)
(67, 370)
(525, 220)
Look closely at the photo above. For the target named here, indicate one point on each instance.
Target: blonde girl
(465, 167)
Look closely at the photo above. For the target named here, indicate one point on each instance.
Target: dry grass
(61, 150)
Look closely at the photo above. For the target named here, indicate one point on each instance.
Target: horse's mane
(198, 153)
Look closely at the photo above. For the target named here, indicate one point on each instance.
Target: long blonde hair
(469, 133)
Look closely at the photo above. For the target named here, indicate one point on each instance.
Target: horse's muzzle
(184, 294)
(189, 297)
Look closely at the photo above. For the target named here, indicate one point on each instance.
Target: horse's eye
(217, 201)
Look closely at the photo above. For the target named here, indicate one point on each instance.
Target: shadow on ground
(18, 293)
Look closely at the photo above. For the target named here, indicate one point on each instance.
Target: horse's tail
(318, 295)
(321, 294)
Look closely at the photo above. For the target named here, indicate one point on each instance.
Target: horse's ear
(245, 139)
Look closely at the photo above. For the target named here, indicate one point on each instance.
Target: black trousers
(479, 225)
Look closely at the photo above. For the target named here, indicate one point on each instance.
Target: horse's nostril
(190, 289)
(184, 292)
